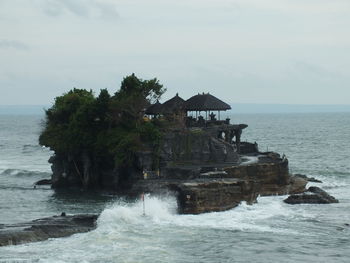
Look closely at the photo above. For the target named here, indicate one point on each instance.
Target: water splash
(124, 233)
(161, 211)
(157, 209)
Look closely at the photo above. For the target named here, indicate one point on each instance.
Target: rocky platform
(45, 228)
(201, 189)
(313, 195)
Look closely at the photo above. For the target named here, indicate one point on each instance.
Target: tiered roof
(200, 102)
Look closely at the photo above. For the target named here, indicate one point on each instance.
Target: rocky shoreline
(219, 190)
(201, 189)
(45, 228)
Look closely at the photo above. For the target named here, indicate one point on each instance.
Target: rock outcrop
(200, 196)
(313, 195)
(179, 146)
(45, 228)
(219, 187)
(271, 173)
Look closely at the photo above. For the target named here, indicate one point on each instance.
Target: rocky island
(131, 144)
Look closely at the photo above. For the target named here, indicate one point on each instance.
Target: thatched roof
(205, 102)
(173, 105)
(154, 109)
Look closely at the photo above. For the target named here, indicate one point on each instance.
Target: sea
(316, 144)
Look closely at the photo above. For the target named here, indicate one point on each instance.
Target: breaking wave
(162, 211)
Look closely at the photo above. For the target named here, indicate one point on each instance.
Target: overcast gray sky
(243, 51)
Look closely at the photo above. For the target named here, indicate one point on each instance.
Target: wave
(23, 173)
(162, 211)
(156, 208)
(123, 232)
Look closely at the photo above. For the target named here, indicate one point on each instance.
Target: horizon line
(231, 103)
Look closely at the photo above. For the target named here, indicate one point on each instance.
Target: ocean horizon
(237, 108)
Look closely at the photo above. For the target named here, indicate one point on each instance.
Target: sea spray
(157, 209)
(162, 211)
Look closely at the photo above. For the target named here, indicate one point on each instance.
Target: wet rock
(296, 185)
(45, 228)
(200, 196)
(272, 174)
(314, 195)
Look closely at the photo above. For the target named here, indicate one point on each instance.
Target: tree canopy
(108, 127)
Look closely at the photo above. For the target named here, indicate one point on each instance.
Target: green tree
(107, 129)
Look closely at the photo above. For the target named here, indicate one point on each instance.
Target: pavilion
(178, 109)
(207, 103)
(155, 109)
(173, 106)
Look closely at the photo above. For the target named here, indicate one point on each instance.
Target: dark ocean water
(269, 231)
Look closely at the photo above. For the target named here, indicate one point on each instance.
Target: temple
(201, 111)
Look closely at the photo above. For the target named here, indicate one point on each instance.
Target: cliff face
(184, 147)
(196, 146)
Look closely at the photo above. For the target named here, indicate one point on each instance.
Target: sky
(242, 51)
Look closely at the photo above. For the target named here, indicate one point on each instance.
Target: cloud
(246, 50)
(82, 8)
(6, 43)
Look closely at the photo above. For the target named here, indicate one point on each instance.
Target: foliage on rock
(111, 129)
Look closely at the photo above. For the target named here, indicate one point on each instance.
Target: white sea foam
(123, 232)
(162, 211)
(157, 209)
